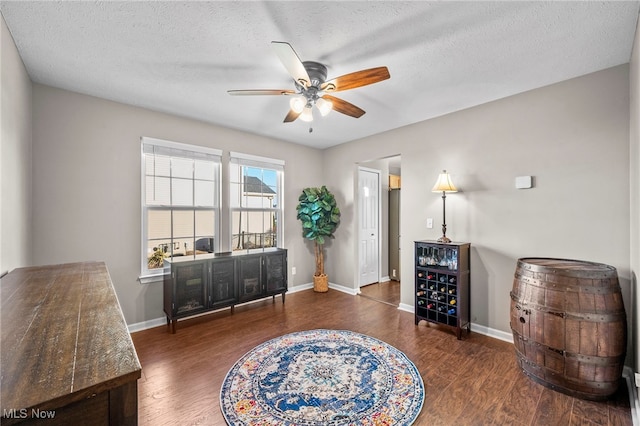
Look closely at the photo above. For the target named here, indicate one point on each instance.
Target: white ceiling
(182, 57)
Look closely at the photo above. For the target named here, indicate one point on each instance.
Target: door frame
(379, 228)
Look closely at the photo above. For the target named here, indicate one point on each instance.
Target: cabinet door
(190, 288)
(249, 277)
(223, 289)
(276, 272)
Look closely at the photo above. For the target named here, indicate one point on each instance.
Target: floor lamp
(444, 185)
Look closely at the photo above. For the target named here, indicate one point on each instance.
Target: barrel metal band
(590, 383)
(605, 287)
(590, 359)
(588, 316)
(600, 270)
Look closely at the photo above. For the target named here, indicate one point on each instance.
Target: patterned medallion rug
(322, 377)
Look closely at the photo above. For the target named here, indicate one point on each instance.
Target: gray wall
(86, 186)
(634, 193)
(572, 137)
(15, 157)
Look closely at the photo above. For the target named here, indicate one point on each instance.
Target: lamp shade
(324, 106)
(307, 114)
(444, 184)
(297, 103)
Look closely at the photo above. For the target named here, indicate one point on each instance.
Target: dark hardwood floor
(474, 381)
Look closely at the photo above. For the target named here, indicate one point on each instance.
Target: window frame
(255, 161)
(190, 152)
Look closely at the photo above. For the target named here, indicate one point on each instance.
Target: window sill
(149, 279)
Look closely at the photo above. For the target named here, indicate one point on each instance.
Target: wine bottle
(443, 289)
(430, 276)
(452, 280)
(443, 279)
(420, 275)
(430, 306)
(420, 302)
(452, 302)
(452, 311)
(421, 293)
(452, 290)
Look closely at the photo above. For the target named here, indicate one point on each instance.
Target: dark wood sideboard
(208, 282)
(67, 356)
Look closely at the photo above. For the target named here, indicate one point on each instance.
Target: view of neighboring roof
(255, 185)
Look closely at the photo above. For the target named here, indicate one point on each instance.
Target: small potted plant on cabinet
(320, 216)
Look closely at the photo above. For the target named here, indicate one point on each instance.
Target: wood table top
(64, 337)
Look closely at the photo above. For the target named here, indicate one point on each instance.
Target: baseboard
(629, 377)
(480, 329)
(333, 286)
(144, 325)
(351, 291)
(406, 308)
(299, 287)
(492, 332)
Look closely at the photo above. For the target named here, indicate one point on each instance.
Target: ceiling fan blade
(291, 116)
(261, 92)
(356, 79)
(344, 107)
(291, 62)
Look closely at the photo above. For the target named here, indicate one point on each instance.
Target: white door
(369, 211)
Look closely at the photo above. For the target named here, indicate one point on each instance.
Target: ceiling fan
(312, 88)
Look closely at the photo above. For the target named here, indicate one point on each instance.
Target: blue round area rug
(322, 377)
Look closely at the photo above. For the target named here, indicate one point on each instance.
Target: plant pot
(321, 283)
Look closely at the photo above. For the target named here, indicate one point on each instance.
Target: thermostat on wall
(523, 182)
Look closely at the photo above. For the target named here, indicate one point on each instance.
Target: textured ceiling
(182, 57)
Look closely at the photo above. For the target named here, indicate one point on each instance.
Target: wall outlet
(293, 270)
(637, 376)
(429, 223)
(393, 274)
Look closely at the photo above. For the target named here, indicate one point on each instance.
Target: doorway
(385, 286)
(369, 224)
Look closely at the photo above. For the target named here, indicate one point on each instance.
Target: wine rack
(442, 284)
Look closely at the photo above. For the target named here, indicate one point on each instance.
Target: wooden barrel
(569, 325)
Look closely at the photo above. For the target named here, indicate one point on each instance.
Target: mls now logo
(12, 413)
(23, 413)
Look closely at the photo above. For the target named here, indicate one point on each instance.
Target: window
(180, 201)
(256, 201)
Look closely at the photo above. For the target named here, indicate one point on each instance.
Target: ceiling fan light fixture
(324, 106)
(311, 86)
(297, 103)
(307, 115)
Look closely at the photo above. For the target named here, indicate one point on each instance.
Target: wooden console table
(67, 355)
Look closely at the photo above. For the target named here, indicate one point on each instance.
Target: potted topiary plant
(320, 216)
